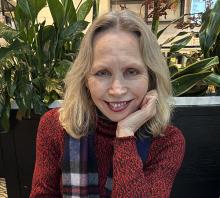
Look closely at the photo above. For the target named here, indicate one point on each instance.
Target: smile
(118, 106)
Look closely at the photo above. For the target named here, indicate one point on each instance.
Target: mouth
(118, 106)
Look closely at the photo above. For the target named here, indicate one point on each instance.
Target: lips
(118, 106)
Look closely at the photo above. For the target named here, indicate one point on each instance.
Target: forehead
(116, 44)
(114, 35)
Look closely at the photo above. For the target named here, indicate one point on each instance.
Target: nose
(117, 87)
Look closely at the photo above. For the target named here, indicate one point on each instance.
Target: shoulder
(50, 125)
(51, 116)
(171, 134)
(51, 119)
(172, 140)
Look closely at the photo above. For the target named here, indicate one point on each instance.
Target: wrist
(124, 132)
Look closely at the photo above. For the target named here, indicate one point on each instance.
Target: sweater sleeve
(154, 179)
(47, 172)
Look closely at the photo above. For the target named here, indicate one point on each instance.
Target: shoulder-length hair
(77, 111)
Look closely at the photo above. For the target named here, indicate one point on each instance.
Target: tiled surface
(3, 191)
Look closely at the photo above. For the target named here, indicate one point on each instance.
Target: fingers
(149, 105)
(135, 120)
(144, 102)
(150, 98)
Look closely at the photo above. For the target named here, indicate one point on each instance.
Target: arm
(132, 179)
(47, 173)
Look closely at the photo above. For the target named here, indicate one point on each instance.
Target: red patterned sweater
(131, 178)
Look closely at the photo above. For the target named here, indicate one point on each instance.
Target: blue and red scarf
(79, 171)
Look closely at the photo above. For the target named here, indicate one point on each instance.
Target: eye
(131, 72)
(103, 73)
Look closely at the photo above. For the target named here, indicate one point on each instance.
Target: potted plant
(33, 63)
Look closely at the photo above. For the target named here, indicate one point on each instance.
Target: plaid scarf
(79, 169)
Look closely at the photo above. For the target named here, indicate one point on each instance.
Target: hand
(129, 125)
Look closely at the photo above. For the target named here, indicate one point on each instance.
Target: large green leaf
(172, 22)
(5, 116)
(30, 36)
(84, 9)
(5, 107)
(38, 105)
(25, 8)
(23, 92)
(181, 43)
(174, 37)
(54, 90)
(184, 83)
(57, 12)
(28, 10)
(14, 47)
(7, 33)
(74, 29)
(2, 103)
(22, 19)
(210, 33)
(53, 84)
(38, 82)
(69, 11)
(198, 66)
(76, 43)
(202, 31)
(36, 6)
(213, 79)
(205, 19)
(46, 37)
(10, 85)
(62, 68)
(23, 95)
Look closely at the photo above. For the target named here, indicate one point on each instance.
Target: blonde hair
(77, 111)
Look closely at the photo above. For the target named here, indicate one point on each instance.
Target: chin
(116, 118)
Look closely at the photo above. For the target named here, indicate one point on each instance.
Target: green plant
(185, 79)
(191, 81)
(36, 56)
(209, 37)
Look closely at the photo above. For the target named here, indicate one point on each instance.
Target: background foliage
(36, 56)
(202, 68)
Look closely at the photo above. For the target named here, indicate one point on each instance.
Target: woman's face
(118, 80)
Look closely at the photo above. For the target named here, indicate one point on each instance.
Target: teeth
(116, 105)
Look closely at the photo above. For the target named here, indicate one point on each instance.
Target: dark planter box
(199, 176)
(18, 153)
(1, 165)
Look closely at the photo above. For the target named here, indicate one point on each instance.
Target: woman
(111, 137)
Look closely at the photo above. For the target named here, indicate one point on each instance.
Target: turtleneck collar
(104, 125)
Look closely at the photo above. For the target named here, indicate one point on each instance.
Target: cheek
(140, 87)
(96, 87)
